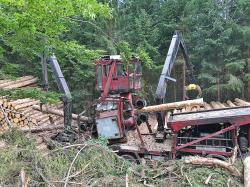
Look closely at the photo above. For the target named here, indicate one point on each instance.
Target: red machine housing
(117, 83)
(117, 76)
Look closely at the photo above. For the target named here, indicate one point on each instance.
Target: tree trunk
(170, 106)
(215, 163)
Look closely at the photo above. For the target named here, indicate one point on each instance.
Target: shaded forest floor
(92, 163)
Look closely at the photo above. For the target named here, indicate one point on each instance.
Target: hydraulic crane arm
(63, 88)
(176, 43)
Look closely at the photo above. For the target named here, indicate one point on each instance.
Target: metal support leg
(139, 133)
(149, 127)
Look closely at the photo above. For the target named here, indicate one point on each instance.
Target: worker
(192, 91)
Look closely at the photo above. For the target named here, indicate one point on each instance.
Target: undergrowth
(92, 163)
(35, 93)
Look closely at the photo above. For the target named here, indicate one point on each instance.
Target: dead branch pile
(19, 83)
(91, 163)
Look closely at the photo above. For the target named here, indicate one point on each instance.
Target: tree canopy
(216, 33)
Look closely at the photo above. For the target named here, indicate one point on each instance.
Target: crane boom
(62, 86)
(176, 43)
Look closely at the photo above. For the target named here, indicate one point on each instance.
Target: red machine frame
(233, 118)
(234, 121)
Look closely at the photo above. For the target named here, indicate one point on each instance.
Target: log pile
(20, 113)
(213, 105)
(11, 114)
(19, 83)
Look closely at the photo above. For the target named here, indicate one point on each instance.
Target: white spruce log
(22, 79)
(4, 81)
(214, 105)
(26, 104)
(241, 102)
(57, 112)
(230, 103)
(220, 105)
(22, 84)
(20, 101)
(171, 106)
(43, 121)
(215, 163)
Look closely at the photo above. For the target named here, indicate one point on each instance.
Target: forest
(216, 33)
(44, 141)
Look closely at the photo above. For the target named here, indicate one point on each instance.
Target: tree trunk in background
(218, 93)
(247, 85)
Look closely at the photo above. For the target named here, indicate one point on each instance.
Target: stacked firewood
(19, 83)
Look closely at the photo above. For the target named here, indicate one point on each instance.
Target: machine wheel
(130, 158)
(220, 157)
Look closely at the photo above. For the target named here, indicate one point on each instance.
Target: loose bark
(171, 106)
(215, 163)
(57, 112)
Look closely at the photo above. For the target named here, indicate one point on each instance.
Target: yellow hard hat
(191, 87)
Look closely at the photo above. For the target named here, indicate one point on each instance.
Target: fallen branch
(42, 128)
(215, 163)
(71, 165)
(233, 158)
(208, 178)
(126, 179)
(24, 180)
